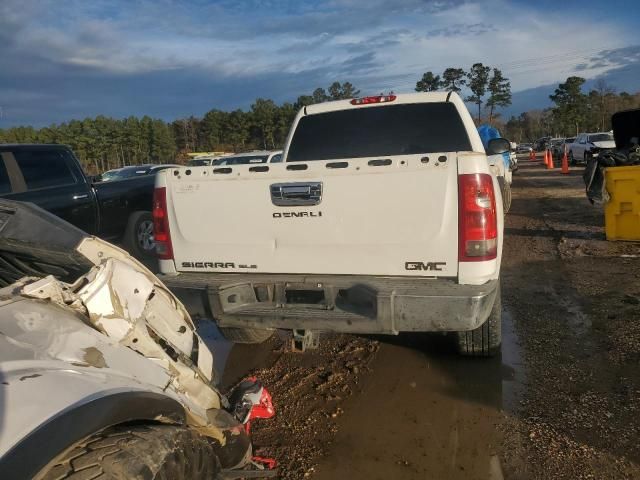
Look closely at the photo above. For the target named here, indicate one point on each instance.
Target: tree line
(265, 125)
(103, 143)
(480, 80)
(573, 112)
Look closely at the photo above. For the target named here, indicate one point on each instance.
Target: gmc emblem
(429, 266)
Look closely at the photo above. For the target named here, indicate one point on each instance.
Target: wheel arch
(60, 432)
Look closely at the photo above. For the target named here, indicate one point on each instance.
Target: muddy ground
(562, 402)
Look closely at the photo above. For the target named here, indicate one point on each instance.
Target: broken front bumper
(94, 331)
(341, 303)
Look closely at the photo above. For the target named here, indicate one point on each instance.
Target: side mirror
(497, 146)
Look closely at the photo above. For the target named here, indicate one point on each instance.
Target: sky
(65, 59)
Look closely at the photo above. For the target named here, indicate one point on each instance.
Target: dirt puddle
(424, 412)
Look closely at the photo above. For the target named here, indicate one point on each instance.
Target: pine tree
(499, 92)
(571, 103)
(264, 118)
(429, 83)
(478, 78)
(453, 79)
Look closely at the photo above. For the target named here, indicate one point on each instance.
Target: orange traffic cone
(532, 155)
(545, 158)
(565, 162)
(549, 160)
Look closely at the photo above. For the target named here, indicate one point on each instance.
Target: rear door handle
(296, 194)
(81, 196)
(295, 191)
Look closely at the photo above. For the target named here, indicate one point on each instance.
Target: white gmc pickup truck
(384, 217)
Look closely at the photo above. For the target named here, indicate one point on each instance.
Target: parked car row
(203, 161)
(250, 158)
(246, 158)
(579, 149)
(524, 148)
(560, 146)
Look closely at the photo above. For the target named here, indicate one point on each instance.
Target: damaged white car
(102, 372)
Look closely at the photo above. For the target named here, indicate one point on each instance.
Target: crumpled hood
(605, 144)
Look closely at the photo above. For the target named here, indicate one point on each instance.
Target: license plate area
(358, 299)
(306, 296)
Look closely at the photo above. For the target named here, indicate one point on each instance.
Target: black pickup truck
(51, 177)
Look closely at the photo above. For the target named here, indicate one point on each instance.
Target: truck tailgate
(367, 216)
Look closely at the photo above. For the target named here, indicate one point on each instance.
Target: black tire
(507, 198)
(135, 240)
(484, 341)
(246, 335)
(572, 161)
(145, 452)
(505, 190)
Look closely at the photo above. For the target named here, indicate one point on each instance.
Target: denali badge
(296, 214)
(429, 266)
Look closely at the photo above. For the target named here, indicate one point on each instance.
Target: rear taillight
(374, 99)
(161, 234)
(477, 218)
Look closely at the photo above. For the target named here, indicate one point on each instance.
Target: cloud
(462, 29)
(170, 58)
(614, 58)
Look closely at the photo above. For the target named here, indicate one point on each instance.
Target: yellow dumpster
(622, 212)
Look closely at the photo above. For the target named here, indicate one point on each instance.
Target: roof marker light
(374, 99)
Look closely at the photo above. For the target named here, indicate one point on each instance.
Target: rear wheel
(246, 335)
(505, 190)
(138, 237)
(485, 340)
(151, 452)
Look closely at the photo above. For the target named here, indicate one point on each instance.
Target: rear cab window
(403, 129)
(45, 168)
